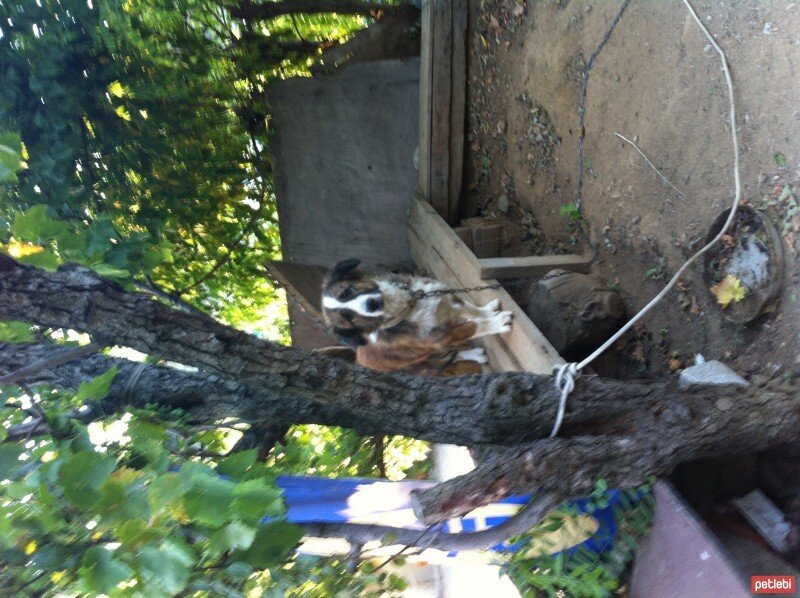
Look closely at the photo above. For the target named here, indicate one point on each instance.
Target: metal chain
(441, 292)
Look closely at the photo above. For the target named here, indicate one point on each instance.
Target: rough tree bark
(620, 431)
(491, 409)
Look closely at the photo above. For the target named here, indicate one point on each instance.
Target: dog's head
(351, 303)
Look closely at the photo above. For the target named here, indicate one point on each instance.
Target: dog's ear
(350, 337)
(344, 270)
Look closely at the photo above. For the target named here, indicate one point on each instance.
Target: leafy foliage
(318, 450)
(581, 572)
(133, 140)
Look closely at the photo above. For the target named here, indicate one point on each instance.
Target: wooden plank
(425, 91)
(302, 282)
(442, 49)
(458, 100)
(435, 247)
(306, 332)
(531, 266)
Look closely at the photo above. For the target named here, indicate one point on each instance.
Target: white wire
(565, 375)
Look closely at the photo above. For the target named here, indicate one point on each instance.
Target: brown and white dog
(392, 330)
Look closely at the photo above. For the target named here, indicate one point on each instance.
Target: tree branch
(497, 408)
(206, 398)
(49, 362)
(688, 425)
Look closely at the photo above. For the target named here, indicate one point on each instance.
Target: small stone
(502, 204)
(636, 220)
(759, 380)
(709, 373)
(501, 126)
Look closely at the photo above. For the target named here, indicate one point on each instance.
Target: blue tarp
(366, 500)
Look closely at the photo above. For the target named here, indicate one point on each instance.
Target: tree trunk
(489, 409)
(680, 426)
(622, 431)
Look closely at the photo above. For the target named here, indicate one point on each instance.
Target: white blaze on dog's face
(352, 305)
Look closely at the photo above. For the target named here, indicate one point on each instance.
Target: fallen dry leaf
(729, 290)
(728, 240)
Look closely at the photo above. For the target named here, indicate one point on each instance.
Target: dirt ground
(658, 83)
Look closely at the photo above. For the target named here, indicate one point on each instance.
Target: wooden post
(425, 122)
(441, 83)
(442, 105)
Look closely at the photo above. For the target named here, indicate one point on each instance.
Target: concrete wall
(343, 162)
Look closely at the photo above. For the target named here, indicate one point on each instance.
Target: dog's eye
(348, 293)
(347, 315)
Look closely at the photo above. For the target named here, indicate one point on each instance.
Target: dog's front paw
(493, 307)
(506, 318)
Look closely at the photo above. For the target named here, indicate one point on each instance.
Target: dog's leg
(487, 311)
(497, 324)
(478, 355)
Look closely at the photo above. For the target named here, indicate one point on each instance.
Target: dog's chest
(425, 313)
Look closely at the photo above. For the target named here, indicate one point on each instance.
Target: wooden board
(531, 266)
(458, 100)
(441, 83)
(425, 91)
(435, 247)
(302, 282)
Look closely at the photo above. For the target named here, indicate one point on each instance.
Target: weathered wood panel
(531, 266)
(425, 120)
(458, 100)
(441, 83)
(303, 282)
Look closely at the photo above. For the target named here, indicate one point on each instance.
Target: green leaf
(238, 571)
(99, 237)
(122, 501)
(235, 466)
(52, 556)
(9, 460)
(81, 476)
(209, 499)
(235, 535)
(571, 211)
(780, 159)
(652, 273)
(101, 572)
(46, 260)
(165, 568)
(16, 332)
(274, 542)
(36, 225)
(135, 533)
(111, 272)
(10, 156)
(97, 388)
(254, 500)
